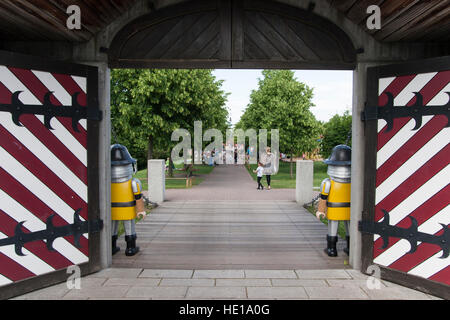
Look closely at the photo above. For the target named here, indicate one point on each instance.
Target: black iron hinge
(411, 234)
(51, 232)
(417, 111)
(76, 112)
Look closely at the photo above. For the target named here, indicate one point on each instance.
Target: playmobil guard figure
(334, 200)
(126, 197)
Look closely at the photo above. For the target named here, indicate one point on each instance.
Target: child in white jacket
(259, 174)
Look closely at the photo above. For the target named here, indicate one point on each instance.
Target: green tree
(281, 102)
(336, 131)
(148, 105)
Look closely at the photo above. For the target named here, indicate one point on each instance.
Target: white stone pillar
(304, 181)
(156, 180)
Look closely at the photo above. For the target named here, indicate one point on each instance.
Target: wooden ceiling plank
(415, 12)
(62, 8)
(358, 12)
(13, 19)
(423, 26)
(343, 5)
(51, 25)
(390, 10)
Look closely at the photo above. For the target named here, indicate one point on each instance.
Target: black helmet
(120, 156)
(341, 155)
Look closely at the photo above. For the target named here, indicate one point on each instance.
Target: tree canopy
(336, 131)
(281, 102)
(148, 105)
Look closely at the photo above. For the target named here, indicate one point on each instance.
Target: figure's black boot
(347, 249)
(115, 248)
(331, 246)
(131, 245)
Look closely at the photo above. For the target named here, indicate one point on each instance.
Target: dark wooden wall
(232, 34)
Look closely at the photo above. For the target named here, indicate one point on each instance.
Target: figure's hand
(142, 214)
(320, 215)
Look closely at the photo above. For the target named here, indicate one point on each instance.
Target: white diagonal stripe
(400, 138)
(81, 81)
(441, 98)
(4, 280)
(29, 261)
(383, 83)
(14, 84)
(415, 85)
(39, 189)
(47, 157)
(430, 266)
(58, 90)
(17, 212)
(436, 144)
(431, 226)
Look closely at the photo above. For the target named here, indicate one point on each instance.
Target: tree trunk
(150, 148)
(170, 167)
(292, 163)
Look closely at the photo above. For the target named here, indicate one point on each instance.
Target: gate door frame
(368, 226)
(94, 116)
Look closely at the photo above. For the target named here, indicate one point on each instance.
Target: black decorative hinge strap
(411, 234)
(51, 232)
(417, 111)
(76, 112)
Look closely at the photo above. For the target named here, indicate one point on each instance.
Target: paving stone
(395, 293)
(163, 273)
(350, 283)
(276, 293)
(55, 292)
(156, 292)
(270, 274)
(356, 274)
(243, 282)
(148, 282)
(299, 283)
(116, 273)
(323, 274)
(99, 292)
(216, 292)
(335, 293)
(187, 282)
(234, 274)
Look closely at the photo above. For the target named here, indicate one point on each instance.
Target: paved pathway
(201, 234)
(229, 182)
(137, 283)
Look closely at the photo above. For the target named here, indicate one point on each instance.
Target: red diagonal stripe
(16, 149)
(395, 87)
(429, 91)
(413, 182)
(38, 89)
(12, 270)
(442, 276)
(38, 248)
(44, 135)
(407, 150)
(34, 205)
(71, 87)
(424, 212)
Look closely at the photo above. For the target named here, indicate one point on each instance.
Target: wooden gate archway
(232, 34)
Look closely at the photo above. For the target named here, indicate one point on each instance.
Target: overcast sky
(332, 90)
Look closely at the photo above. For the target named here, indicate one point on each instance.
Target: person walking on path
(270, 165)
(259, 174)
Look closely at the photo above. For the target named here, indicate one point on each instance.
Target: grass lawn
(283, 179)
(179, 179)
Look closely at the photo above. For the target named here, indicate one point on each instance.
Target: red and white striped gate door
(407, 214)
(48, 171)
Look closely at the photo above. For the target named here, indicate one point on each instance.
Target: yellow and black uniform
(337, 196)
(123, 199)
